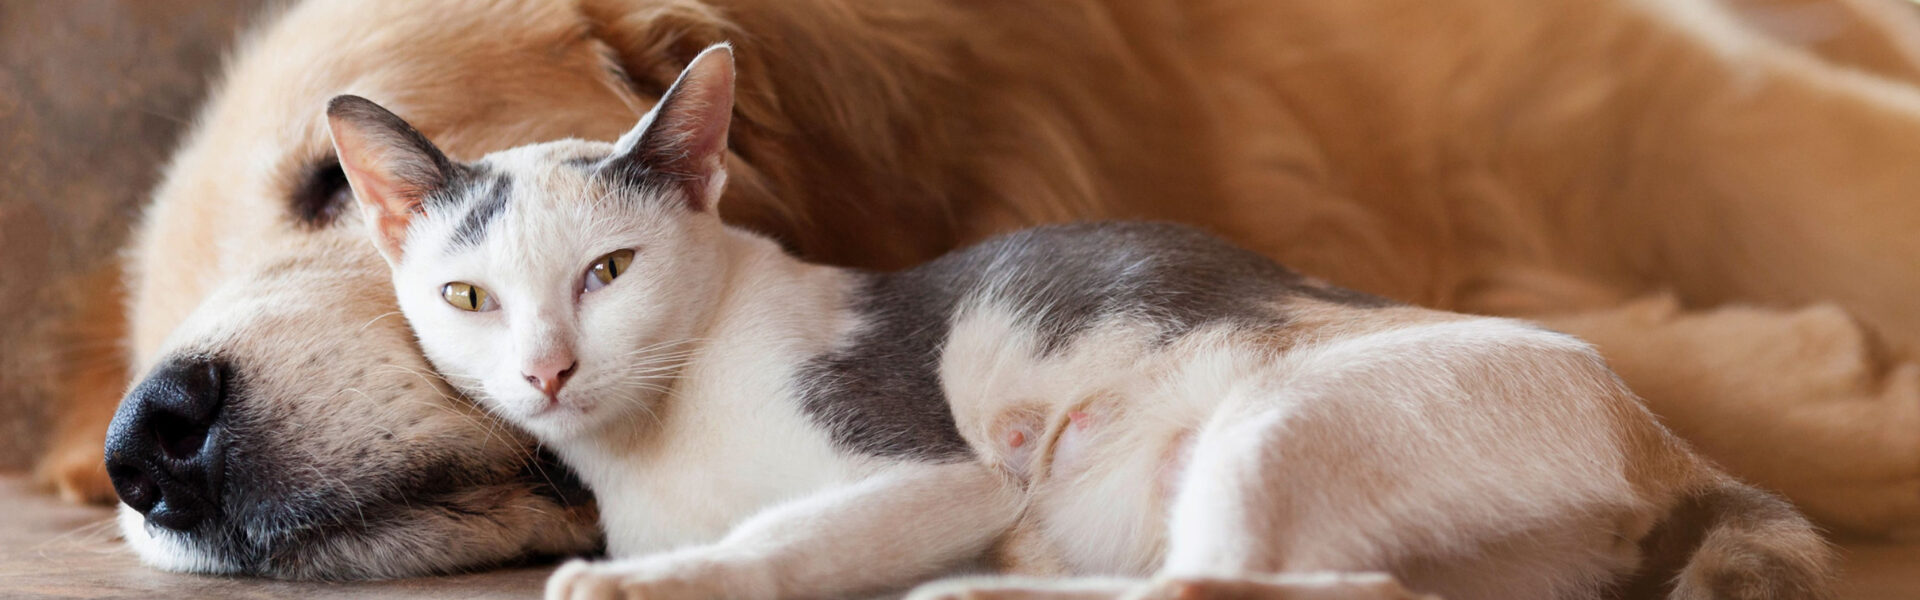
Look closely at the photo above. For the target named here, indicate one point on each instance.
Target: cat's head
(560, 283)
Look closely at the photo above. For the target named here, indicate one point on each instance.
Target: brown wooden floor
(51, 549)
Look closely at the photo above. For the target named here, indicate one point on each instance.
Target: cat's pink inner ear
(687, 134)
(389, 166)
(387, 202)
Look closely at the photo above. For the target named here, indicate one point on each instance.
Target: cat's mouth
(559, 409)
(565, 408)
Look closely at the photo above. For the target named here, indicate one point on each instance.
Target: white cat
(1139, 402)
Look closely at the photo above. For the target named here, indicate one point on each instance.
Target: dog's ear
(683, 140)
(391, 167)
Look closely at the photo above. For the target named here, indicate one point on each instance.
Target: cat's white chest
(722, 457)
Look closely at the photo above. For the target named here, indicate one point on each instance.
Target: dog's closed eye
(320, 196)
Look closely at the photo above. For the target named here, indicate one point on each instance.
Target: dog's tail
(1726, 540)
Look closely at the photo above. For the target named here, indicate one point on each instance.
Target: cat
(1124, 408)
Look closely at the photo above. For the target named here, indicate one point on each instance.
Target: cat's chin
(558, 420)
(544, 419)
(573, 416)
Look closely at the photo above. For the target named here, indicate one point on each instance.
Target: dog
(1722, 210)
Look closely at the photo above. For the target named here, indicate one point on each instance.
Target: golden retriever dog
(1721, 196)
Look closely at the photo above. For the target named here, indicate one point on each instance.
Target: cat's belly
(1102, 469)
(1098, 432)
(707, 470)
(1105, 493)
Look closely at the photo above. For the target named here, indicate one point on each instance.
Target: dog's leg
(1763, 174)
(1879, 36)
(888, 531)
(1782, 180)
(1641, 142)
(73, 464)
(1794, 400)
(90, 377)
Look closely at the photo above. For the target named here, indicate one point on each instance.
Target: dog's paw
(78, 473)
(627, 580)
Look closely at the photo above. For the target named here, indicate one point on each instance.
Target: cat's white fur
(1475, 457)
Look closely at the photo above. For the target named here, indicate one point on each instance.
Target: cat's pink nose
(548, 376)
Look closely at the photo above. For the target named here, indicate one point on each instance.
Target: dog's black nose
(164, 448)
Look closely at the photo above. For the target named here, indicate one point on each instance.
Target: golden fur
(1555, 159)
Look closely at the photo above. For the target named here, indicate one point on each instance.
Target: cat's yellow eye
(466, 296)
(606, 268)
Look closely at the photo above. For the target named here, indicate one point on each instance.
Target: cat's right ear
(683, 140)
(391, 167)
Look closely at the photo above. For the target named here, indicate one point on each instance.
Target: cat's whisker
(657, 353)
(428, 377)
(377, 319)
(674, 363)
(662, 368)
(667, 344)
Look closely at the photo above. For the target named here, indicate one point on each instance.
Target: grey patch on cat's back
(1063, 280)
(880, 393)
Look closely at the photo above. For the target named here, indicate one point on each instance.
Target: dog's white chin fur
(166, 550)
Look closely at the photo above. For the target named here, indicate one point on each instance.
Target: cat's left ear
(683, 140)
(391, 167)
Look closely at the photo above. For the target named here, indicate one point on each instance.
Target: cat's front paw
(629, 580)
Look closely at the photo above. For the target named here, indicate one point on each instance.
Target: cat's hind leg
(1473, 458)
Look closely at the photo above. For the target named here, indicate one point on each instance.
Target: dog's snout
(164, 447)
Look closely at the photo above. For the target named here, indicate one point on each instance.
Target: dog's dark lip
(277, 539)
(283, 514)
(166, 479)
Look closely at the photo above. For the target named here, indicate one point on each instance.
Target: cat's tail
(1726, 540)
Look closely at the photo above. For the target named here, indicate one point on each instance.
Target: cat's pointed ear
(683, 140)
(391, 167)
